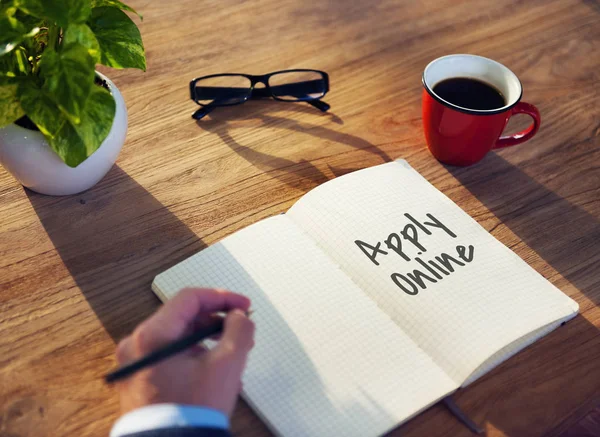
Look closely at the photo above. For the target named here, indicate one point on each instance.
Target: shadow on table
(554, 381)
(565, 235)
(114, 239)
(303, 174)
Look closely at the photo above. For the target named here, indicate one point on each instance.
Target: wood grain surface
(75, 272)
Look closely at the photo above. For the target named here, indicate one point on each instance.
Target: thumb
(238, 335)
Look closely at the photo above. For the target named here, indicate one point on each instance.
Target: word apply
(409, 234)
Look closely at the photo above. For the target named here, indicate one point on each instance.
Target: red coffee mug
(462, 136)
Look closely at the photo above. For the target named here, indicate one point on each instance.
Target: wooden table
(75, 272)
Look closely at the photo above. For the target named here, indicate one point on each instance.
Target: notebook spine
(448, 401)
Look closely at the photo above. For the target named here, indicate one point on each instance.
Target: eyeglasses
(233, 89)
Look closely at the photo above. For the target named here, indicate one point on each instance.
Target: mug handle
(524, 135)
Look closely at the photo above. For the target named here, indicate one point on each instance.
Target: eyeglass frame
(262, 92)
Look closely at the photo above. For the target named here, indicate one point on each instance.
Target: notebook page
(458, 292)
(326, 360)
(510, 350)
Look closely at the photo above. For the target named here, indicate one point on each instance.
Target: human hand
(197, 376)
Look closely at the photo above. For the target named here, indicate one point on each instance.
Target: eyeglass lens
(222, 90)
(297, 85)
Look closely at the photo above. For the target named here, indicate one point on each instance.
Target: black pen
(166, 351)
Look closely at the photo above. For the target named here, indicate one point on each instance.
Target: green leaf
(10, 107)
(115, 4)
(29, 20)
(68, 146)
(41, 109)
(11, 80)
(15, 63)
(69, 77)
(13, 32)
(62, 12)
(75, 143)
(83, 35)
(7, 7)
(119, 38)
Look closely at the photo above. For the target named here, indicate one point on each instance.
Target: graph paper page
(327, 361)
(460, 294)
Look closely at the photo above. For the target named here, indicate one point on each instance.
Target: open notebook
(375, 296)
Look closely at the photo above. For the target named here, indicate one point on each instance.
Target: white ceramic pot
(28, 157)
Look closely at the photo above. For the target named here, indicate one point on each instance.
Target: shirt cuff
(161, 416)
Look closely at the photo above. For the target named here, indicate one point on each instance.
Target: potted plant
(62, 124)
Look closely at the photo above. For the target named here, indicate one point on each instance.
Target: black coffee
(470, 93)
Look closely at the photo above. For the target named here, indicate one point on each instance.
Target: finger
(188, 304)
(206, 320)
(238, 335)
(197, 351)
(124, 352)
(177, 316)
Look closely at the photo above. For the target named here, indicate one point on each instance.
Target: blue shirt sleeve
(161, 416)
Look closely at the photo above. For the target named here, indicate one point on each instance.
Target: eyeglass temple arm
(260, 93)
(299, 90)
(202, 112)
(205, 110)
(319, 104)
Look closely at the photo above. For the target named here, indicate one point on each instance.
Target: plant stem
(53, 36)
